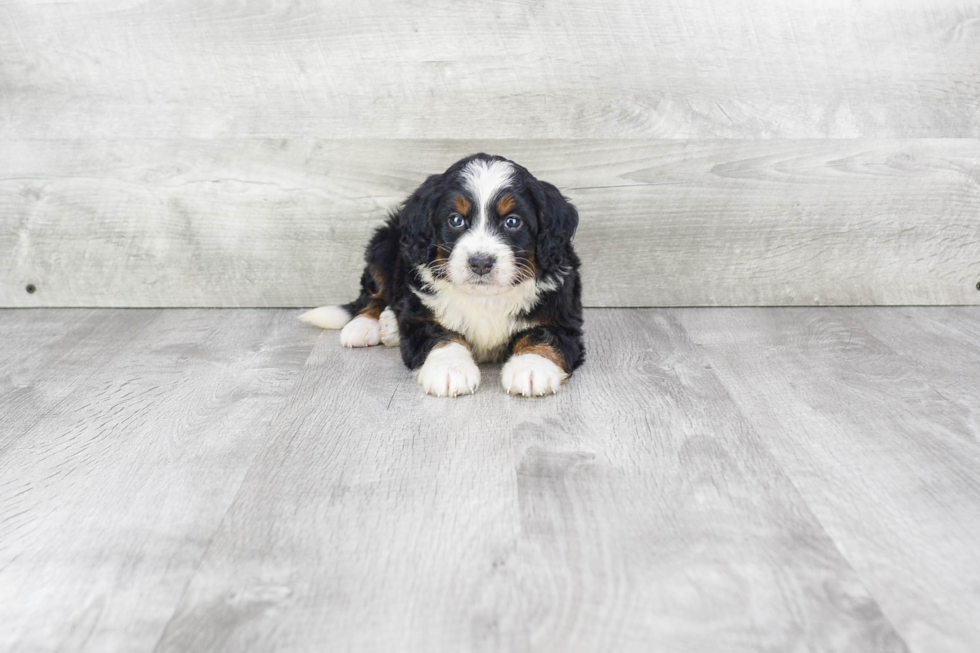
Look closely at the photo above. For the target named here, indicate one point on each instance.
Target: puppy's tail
(335, 317)
(328, 317)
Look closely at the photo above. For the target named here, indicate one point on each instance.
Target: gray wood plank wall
(721, 153)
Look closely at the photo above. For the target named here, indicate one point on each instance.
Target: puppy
(476, 266)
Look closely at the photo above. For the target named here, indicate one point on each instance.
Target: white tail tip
(326, 317)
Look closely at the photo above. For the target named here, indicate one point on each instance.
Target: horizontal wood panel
(444, 69)
(257, 222)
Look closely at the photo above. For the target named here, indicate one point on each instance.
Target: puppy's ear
(418, 236)
(557, 221)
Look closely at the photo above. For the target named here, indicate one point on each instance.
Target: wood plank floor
(796, 479)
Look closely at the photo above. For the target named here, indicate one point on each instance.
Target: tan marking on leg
(454, 338)
(379, 282)
(372, 310)
(377, 303)
(527, 346)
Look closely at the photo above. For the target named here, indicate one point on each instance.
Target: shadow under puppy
(476, 266)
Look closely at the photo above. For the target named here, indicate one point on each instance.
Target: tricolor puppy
(476, 266)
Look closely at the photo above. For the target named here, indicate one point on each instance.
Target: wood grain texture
(378, 519)
(580, 69)
(214, 487)
(123, 441)
(874, 416)
(258, 222)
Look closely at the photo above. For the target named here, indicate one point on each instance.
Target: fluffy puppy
(476, 266)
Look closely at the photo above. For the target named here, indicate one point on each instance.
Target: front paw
(388, 326)
(531, 375)
(449, 371)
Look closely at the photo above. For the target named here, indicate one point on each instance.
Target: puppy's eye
(456, 221)
(513, 222)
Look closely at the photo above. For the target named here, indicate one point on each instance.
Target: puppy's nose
(481, 264)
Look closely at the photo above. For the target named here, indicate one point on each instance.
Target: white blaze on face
(484, 180)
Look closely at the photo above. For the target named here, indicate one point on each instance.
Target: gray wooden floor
(712, 480)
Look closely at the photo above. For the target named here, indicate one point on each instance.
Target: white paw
(388, 324)
(361, 332)
(449, 371)
(531, 375)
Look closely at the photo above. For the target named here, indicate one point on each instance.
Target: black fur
(559, 220)
(412, 235)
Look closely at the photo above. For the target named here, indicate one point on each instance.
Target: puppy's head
(486, 225)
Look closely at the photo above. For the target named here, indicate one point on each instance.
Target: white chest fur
(487, 321)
